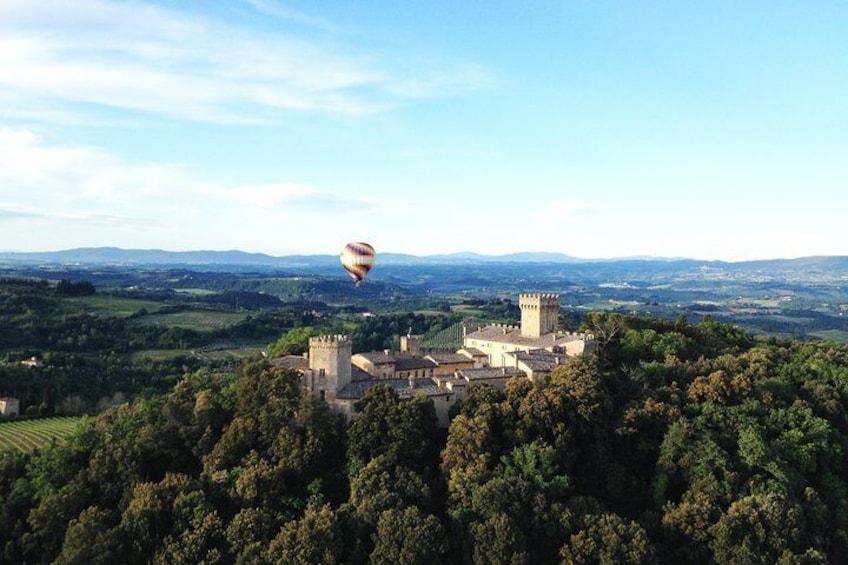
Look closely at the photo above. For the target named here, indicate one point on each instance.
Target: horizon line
(642, 257)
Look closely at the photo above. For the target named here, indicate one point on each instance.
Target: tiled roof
(402, 361)
(539, 359)
(490, 373)
(357, 389)
(451, 381)
(473, 351)
(296, 362)
(413, 363)
(511, 335)
(450, 358)
(357, 374)
(377, 357)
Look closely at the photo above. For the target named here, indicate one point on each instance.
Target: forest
(675, 443)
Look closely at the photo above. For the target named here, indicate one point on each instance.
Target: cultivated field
(105, 305)
(208, 353)
(27, 435)
(200, 320)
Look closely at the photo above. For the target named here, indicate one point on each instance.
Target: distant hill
(118, 256)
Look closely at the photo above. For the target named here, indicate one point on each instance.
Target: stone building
(538, 331)
(492, 354)
(331, 372)
(537, 364)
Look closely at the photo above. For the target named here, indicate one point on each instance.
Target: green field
(200, 320)
(839, 336)
(27, 435)
(222, 354)
(468, 310)
(196, 291)
(105, 305)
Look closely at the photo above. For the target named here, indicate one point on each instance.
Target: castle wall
(496, 351)
(443, 405)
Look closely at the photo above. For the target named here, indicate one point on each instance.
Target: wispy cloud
(46, 180)
(301, 197)
(37, 169)
(13, 212)
(140, 57)
(278, 10)
(17, 213)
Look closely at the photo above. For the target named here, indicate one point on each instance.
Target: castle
(491, 354)
(537, 333)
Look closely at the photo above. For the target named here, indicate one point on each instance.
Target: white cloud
(139, 57)
(47, 180)
(36, 169)
(278, 10)
(31, 215)
(304, 198)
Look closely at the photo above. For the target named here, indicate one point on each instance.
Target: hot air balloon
(357, 259)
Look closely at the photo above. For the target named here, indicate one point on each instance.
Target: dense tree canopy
(678, 443)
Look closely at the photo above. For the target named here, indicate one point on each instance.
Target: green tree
(92, 538)
(382, 485)
(408, 536)
(498, 541)
(315, 539)
(293, 342)
(404, 431)
(757, 529)
(608, 540)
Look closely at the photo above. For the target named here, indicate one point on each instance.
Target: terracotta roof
(473, 351)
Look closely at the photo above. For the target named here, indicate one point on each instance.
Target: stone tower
(329, 361)
(409, 344)
(539, 314)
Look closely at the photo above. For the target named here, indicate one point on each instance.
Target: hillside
(678, 443)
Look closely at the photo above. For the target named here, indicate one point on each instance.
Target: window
(323, 395)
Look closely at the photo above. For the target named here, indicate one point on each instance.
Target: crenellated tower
(539, 313)
(329, 361)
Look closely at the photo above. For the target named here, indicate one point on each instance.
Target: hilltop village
(490, 354)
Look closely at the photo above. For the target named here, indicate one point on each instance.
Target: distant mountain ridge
(118, 256)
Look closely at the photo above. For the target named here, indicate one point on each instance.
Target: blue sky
(713, 130)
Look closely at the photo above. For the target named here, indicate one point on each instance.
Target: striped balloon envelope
(357, 259)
